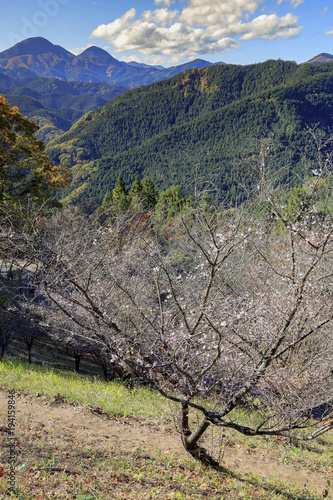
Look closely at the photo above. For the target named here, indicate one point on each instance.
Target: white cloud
(201, 27)
(110, 30)
(168, 3)
(329, 33)
(297, 3)
(213, 12)
(324, 11)
(178, 40)
(160, 16)
(294, 3)
(271, 27)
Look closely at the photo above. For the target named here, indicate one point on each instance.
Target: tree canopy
(25, 170)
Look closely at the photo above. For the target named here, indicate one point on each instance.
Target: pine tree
(136, 190)
(120, 194)
(107, 200)
(149, 193)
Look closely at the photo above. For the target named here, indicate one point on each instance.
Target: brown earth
(130, 434)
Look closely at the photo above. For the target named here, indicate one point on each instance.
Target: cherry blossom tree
(223, 310)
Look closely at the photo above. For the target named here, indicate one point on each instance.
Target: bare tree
(224, 310)
(7, 332)
(101, 356)
(28, 326)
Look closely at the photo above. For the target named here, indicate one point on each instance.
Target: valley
(167, 235)
(103, 117)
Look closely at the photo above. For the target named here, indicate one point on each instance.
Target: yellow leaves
(54, 177)
(25, 170)
(185, 81)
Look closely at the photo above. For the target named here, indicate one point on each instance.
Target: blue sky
(170, 32)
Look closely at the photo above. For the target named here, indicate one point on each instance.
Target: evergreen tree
(169, 204)
(136, 190)
(107, 200)
(149, 193)
(120, 194)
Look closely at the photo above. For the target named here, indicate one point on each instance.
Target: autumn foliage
(25, 170)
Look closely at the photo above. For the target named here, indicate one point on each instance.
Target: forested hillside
(55, 105)
(212, 113)
(55, 88)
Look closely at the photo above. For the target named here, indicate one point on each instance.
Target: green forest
(223, 313)
(55, 105)
(200, 121)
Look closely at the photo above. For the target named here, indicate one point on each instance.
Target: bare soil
(37, 414)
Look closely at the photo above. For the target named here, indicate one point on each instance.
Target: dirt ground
(131, 434)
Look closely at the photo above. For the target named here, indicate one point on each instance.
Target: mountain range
(198, 124)
(55, 88)
(98, 115)
(37, 57)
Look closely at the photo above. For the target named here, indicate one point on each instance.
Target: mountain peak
(321, 58)
(35, 46)
(94, 51)
(101, 56)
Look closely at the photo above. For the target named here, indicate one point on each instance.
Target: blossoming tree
(223, 310)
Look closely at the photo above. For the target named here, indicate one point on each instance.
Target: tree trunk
(77, 363)
(190, 439)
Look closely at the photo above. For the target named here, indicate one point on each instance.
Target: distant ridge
(321, 58)
(38, 57)
(142, 65)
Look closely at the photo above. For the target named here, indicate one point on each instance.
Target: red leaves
(99, 410)
(116, 479)
(1, 471)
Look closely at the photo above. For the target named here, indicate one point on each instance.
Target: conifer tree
(149, 193)
(136, 190)
(107, 200)
(120, 194)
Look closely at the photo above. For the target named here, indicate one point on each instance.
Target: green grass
(111, 473)
(112, 397)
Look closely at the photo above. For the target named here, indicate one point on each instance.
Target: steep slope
(145, 112)
(213, 113)
(54, 104)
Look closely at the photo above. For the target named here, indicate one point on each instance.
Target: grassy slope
(129, 474)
